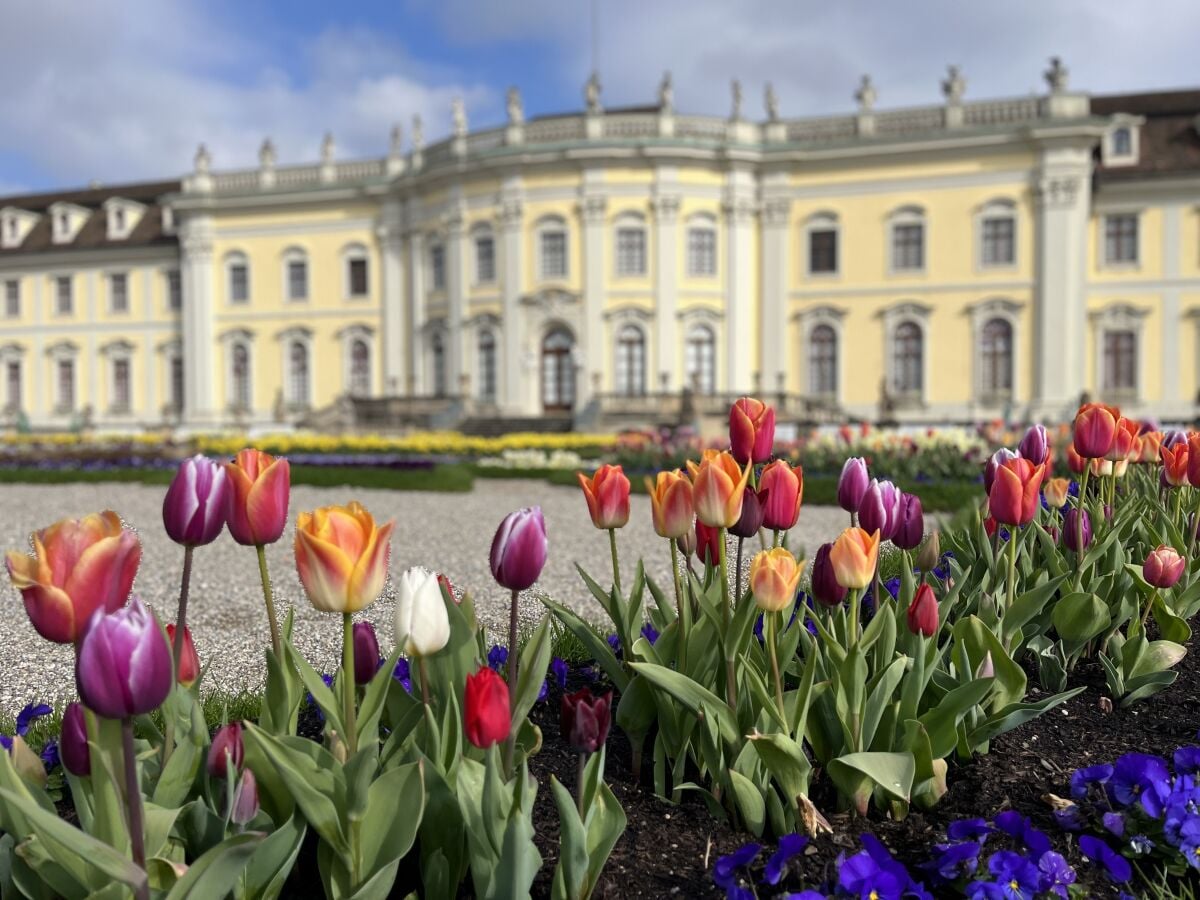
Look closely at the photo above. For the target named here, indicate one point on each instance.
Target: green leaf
(321, 693)
(881, 697)
(695, 697)
(605, 825)
(603, 597)
(386, 836)
(571, 874)
(1158, 656)
(636, 710)
(370, 711)
(941, 722)
(213, 875)
(273, 860)
(750, 804)
(519, 859)
(1016, 714)
(785, 760)
(892, 773)
(596, 646)
(1079, 617)
(978, 640)
(1030, 604)
(1170, 626)
(535, 659)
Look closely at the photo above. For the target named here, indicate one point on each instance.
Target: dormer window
(1120, 145)
(15, 225)
(67, 219)
(1122, 142)
(123, 216)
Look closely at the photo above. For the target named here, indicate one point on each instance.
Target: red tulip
(1095, 430)
(607, 495)
(786, 486)
(1124, 440)
(257, 496)
(189, 661)
(1175, 464)
(923, 612)
(487, 717)
(1163, 567)
(584, 720)
(226, 747)
(1075, 462)
(751, 430)
(1015, 494)
(1193, 468)
(708, 544)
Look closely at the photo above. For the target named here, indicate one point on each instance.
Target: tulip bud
(923, 612)
(257, 497)
(607, 496)
(785, 487)
(123, 668)
(1056, 490)
(486, 712)
(27, 763)
(718, 486)
(226, 748)
(584, 720)
(447, 587)
(195, 506)
(825, 586)
(987, 668)
(930, 555)
(1174, 438)
(1124, 440)
(995, 461)
(1175, 463)
(774, 579)
(73, 742)
(880, 509)
(751, 430)
(854, 557)
(708, 544)
(1035, 446)
(1193, 468)
(366, 652)
(852, 484)
(1163, 567)
(910, 527)
(1054, 533)
(342, 557)
(245, 799)
(686, 543)
(1151, 444)
(671, 503)
(1071, 531)
(1095, 430)
(751, 519)
(519, 549)
(422, 623)
(189, 661)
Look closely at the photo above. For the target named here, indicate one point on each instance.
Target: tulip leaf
(596, 646)
(1015, 714)
(1029, 605)
(604, 598)
(519, 859)
(750, 804)
(535, 659)
(570, 876)
(881, 697)
(324, 697)
(1143, 686)
(158, 822)
(978, 640)
(1158, 656)
(1170, 626)
(374, 699)
(384, 836)
(284, 690)
(696, 697)
(941, 722)
(665, 608)
(442, 837)
(273, 859)
(893, 773)
(785, 760)
(1079, 617)
(213, 875)
(636, 710)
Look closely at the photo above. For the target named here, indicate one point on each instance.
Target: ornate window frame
(1120, 316)
(821, 220)
(119, 350)
(809, 319)
(170, 350)
(1133, 265)
(893, 317)
(997, 208)
(630, 220)
(304, 336)
(982, 313)
(290, 255)
(547, 224)
(702, 221)
(1109, 155)
(908, 214)
(355, 252)
(64, 351)
(479, 231)
(230, 340)
(349, 336)
(231, 259)
(13, 352)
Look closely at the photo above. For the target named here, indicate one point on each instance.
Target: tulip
(786, 486)
(607, 495)
(708, 544)
(259, 485)
(73, 742)
(366, 652)
(852, 484)
(751, 430)
(1151, 442)
(188, 665)
(751, 519)
(995, 461)
(671, 503)
(486, 714)
(1035, 446)
(447, 587)
(1100, 468)
(1013, 499)
(124, 664)
(79, 566)
(1056, 490)
(1174, 438)
(987, 668)
(826, 588)
(342, 557)
(774, 579)
(226, 750)
(1073, 534)
(910, 527)
(923, 612)
(1095, 430)
(930, 555)
(1075, 462)
(880, 509)
(1054, 533)
(854, 555)
(1175, 463)
(245, 800)
(584, 720)
(196, 505)
(718, 485)
(422, 623)
(1124, 440)
(519, 549)
(686, 543)
(1163, 567)
(1119, 468)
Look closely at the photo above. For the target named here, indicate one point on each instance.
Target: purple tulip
(226, 744)
(994, 462)
(124, 664)
(825, 587)
(910, 529)
(852, 483)
(880, 509)
(245, 799)
(1035, 446)
(1174, 437)
(519, 549)
(194, 508)
(753, 509)
(1054, 533)
(366, 652)
(1071, 530)
(73, 742)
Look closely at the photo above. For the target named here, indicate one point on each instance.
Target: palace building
(949, 263)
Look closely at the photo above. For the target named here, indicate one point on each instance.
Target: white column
(666, 285)
(151, 412)
(37, 363)
(739, 301)
(511, 267)
(391, 298)
(92, 396)
(1172, 252)
(198, 302)
(1062, 190)
(455, 301)
(593, 209)
(416, 294)
(773, 325)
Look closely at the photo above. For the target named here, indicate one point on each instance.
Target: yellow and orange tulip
(718, 486)
(1055, 491)
(342, 557)
(671, 503)
(259, 486)
(774, 579)
(853, 558)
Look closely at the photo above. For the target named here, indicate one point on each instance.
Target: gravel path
(445, 532)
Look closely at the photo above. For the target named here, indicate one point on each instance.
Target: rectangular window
(702, 252)
(12, 382)
(12, 299)
(631, 251)
(999, 247)
(1120, 361)
(1121, 238)
(485, 260)
(554, 254)
(118, 292)
(437, 262)
(120, 398)
(357, 274)
(822, 251)
(174, 291)
(297, 279)
(239, 283)
(908, 247)
(64, 300)
(66, 385)
(177, 383)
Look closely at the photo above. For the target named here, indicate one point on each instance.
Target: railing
(233, 182)
(631, 125)
(831, 128)
(705, 128)
(1002, 112)
(909, 121)
(556, 130)
(297, 176)
(360, 169)
(482, 141)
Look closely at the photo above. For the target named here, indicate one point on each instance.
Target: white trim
(702, 221)
(1007, 311)
(893, 317)
(1109, 156)
(809, 320)
(1103, 262)
(351, 253)
(66, 221)
(481, 231)
(631, 221)
(1119, 316)
(822, 220)
(996, 208)
(110, 294)
(128, 212)
(549, 224)
(290, 255)
(228, 261)
(909, 214)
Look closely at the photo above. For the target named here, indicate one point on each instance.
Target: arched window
(907, 239)
(437, 354)
(1120, 361)
(908, 359)
(631, 361)
(996, 357)
(822, 361)
(360, 368)
(241, 376)
(558, 371)
(295, 274)
(487, 366)
(1122, 142)
(298, 373)
(700, 359)
(237, 275)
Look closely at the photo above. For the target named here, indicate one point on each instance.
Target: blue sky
(116, 92)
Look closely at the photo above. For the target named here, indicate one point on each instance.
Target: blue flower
(1101, 854)
(892, 585)
(328, 679)
(874, 875)
(758, 628)
(1055, 875)
(1082, 779)
(1020, 828)
(790, 845)
(1140, 844)
(1069, 818)
(1142, 777)
(543, 690)
(615, 643)
(30, 714)
(805, 895)
(1014, 872)
(497, 657)
(650, 633)
(1114, 823)
(559, 669)
(1187, 761)
(725, 871)
(402, 674)
(49, 754)
(969, 830)
(1189, 842)
(954, 861)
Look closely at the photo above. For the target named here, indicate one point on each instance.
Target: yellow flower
(342, 557)
(853, 556)
(774, 579)
(718, 486)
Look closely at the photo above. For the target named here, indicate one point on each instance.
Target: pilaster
(416, 295)
(593, 209)
(739, 210)
(666, 281)
(511, 218)
(455, 295)
(199, 350)
(1171, 301)
(391, 298)
(776, 215)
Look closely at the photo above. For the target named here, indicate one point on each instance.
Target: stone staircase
(494, 426)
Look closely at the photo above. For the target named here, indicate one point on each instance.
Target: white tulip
(422, 626)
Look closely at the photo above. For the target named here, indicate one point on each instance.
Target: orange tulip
(1013, 499)
(1123, 440)
(1095, 429)
(1055, 491)
(1175, 464)
(607, 495)
(718, 485)
(671, 503)
(853, 557)
(78, 567)
(259, 485)
(187, 667)
(774, 579)
(785, 487)
(1193, 469)
(751, 430)
(1151, 441)
(342, 557)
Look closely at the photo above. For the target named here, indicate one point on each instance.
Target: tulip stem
(511, 670)
(424, 679)
(1146, 612)
(730, 670)
(852, 624)
(683, 609)
(269, 597)
(348, 716)
(612, 548)
(772, 627)
(133, 801)
(579, 781)
(1012, 566)
(181, 616)
(1079, 516)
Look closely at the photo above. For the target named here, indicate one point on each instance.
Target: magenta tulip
(994, 462)
(124, 666)
(245, 799)
(226, 747)
(366, 652)
(880, 509)
(910, 529)
(519, 549)
(1071, 530)
(73, 742)
(825, 587)
(1035, 446)
(852, 483)
(1163, 567)
(195, 507)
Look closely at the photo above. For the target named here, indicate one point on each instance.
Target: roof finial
(954, 85)
(735, 88)
(458, 113)
(591, 94)
(516, 109)
(865, 95)
(666, 95)
(771, 103)
(203, 161)
(1056, 75)
(266, 154)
